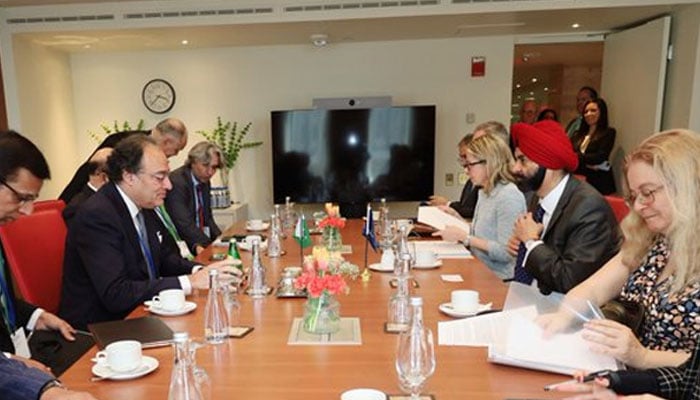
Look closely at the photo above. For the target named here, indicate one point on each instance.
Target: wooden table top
(262, 365)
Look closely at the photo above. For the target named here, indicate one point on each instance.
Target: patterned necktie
(521, 275)
(145, 248)
(200, 205)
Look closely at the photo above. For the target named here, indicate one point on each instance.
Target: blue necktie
(143, 241)
(8, 311)
(521, 275)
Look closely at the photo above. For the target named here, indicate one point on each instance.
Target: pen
(599, 374)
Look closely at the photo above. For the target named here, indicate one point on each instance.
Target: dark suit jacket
(105, 274)
(467, 202)
(20, 382)
(75, 202)
(23, 310)
(582, 235)
(181, 207)
(598, 151)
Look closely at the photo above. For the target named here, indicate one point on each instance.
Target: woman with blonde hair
(659, 263)
(488, 161)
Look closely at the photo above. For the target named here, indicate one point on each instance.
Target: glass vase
(332, 239)
(322, 314)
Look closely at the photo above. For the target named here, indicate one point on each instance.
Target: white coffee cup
(255, 224)
(121, 356)
(387, 260)
(466, 301)
(363, 394)
(251, 238)
(404, 222)
(375, 216)
(169, 300)
(425, 258)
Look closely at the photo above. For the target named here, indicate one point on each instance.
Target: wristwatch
(466, 241)
(55, 383)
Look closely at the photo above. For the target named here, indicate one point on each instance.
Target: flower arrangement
(116, 127)
(333, 218)
(324, 273)
(323, 278)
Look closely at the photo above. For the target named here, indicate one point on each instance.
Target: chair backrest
(34, 247)
(618, 206)
(44, 205)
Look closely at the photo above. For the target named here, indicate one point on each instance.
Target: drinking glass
(229, 292)
(415, 361)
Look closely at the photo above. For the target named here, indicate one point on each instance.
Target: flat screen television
(353, 156)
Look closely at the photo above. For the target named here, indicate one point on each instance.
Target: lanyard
(8, 312)
(168, 222)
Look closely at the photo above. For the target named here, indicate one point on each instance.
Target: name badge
(19, 339)
(184, 251)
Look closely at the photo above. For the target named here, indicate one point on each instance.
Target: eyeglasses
(645, 196)
(22, 198)
(468, 165)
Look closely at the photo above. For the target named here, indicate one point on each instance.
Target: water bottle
(387, 233)
(415, 353)
(258, 287)
(274, 244)
(289, 214)
(279, 222)
(215, 321)
(399, 310)
(183, 385)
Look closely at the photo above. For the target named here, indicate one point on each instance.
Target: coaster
(408, 397)
(268, 291)
(393, 283)
(238, 332)
(395, 328)
(349, 334)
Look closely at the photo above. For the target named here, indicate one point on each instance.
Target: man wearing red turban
(571, 230)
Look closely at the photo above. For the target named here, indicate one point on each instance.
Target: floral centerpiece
(330, 227)
(323, 277)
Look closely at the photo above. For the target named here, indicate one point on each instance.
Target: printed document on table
(438, 219)
(443, 249)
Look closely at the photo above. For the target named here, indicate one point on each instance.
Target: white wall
(246, 83)
(43, 77)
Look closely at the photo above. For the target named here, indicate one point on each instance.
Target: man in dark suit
(188, 202)
(23, 170)
(97, 169)
(571, 230)
(170, 134)
(21, 382)
(118, 253)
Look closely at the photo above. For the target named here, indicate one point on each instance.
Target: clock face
(158, 96)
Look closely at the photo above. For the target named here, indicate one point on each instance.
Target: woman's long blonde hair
(498, 159)
(675, 156)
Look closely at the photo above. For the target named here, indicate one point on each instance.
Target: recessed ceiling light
(546, 89)
(575, 25)
(517, 86)
(534, 80)
(185, 42)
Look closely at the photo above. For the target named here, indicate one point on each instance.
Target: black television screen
(353, 156)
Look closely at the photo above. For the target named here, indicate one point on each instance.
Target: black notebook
(52, 349)
(150, 331)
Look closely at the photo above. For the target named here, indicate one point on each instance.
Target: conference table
(262, 365)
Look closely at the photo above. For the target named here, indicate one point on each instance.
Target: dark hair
(603, 123)
(16, 151)
(127, 156)
(544, 112)
(593, 93)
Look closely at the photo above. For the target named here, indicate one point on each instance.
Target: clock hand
(156, 99)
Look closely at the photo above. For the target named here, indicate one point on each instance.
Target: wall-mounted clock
(158, 96)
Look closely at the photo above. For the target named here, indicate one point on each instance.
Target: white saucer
(248, 247)
(264, 227)
(436, 264)
(189, 307)
(379, 267)
(447, 309)
(148, 365)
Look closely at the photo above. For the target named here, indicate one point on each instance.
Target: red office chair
(34, 246)
(618, 206)
(43, 205)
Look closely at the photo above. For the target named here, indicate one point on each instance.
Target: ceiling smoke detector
(319, 39)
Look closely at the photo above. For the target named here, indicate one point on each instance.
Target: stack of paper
(438, 219)
(443, 249)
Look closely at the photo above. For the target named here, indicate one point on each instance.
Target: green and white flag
(301, 232)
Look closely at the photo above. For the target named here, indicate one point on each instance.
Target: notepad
(150, 331)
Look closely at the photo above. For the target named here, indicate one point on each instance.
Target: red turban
(545, 143)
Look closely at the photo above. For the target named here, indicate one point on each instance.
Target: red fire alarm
(478, 66)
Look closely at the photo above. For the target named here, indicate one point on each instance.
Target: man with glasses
(23, 170)
(188, 203)
(118, 254)
(571, 231)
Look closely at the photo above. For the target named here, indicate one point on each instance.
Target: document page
(443, 249)
(438, 219)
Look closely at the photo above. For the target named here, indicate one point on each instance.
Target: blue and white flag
(368, 230)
